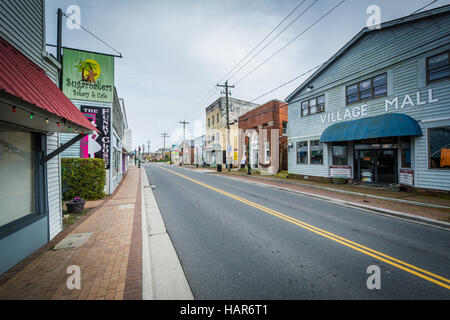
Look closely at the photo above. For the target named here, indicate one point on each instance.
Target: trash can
(219, 168)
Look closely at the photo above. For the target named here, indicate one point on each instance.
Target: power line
(292, 40)
(273, 30)
(273, 39)
(208, 95)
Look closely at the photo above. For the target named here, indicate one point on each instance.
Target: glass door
(386, 166)
(367, 165)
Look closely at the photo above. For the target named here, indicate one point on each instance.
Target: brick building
(264, 129)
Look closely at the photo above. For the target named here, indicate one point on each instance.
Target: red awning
(22, 78)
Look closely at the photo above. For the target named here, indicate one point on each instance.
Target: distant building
(378, 111)
(264, 130)
(216, 131)
(199, 151)
(187, 151)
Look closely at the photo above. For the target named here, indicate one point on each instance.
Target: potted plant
(76, 205)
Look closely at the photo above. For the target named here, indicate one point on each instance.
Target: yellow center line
(356, 246)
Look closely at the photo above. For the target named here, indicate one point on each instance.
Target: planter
(75, 206)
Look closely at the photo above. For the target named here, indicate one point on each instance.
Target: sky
(176, 51)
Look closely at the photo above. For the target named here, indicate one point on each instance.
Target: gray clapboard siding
(401, 52)
(22, 24)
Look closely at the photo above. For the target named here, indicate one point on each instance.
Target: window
(284, 128)
(316, 152)
(312, 106)
(406, 152)
(439, 147)
(17, 172)
(302, 152)
(340, 154)
(217, 117)
(367, 89)
(438, 67)
(266, 152)
(213, 120)
(209, 124)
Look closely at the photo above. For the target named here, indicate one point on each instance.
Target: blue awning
(386, 125)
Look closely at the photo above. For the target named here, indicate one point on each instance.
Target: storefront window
(17, 192)
(302, 152)
(340, 154)
(406, 152)
(316, 152)
(439, 148)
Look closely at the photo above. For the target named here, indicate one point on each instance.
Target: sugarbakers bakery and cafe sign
(88, 76)
(397, 103)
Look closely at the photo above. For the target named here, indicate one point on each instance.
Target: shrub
(83, 178)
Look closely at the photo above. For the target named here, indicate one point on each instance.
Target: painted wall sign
(348, 114)
(88, 76)
(409, 100)
(341, 171)
(97, 145)
(406, 177)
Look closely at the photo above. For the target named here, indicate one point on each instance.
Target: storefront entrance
(376, 162)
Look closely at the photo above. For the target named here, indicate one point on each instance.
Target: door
(386, 166)
(367, 165)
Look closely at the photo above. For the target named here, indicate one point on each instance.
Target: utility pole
(184, 123)
(59, 44)
(226, 86)
(148, 147)
(164, 135)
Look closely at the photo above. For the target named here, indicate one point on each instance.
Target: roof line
(360, 34)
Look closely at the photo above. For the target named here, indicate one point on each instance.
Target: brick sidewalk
(110, 261)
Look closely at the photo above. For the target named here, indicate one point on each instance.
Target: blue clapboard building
(378, 111)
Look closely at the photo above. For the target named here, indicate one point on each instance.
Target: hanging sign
(88, 76)
(97, 144)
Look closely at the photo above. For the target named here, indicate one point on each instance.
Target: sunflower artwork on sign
(89, 69)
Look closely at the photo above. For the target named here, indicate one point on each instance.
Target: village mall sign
(408, 100)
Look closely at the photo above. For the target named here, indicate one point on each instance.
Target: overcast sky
(175, 51)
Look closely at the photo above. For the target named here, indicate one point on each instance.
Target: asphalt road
(307, 248)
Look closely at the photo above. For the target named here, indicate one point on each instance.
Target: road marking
(356, 246)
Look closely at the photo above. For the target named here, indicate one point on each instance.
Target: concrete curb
(398, 214)
(367, 195)
(163, 276)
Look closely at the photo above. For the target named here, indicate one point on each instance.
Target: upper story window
(312, 106)
(438, 67)
(284, 128)
(366, 89)
(217, 117)
(213, 120)
(209, 122)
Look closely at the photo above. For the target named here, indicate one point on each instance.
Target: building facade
(379, 110)
(264, 131)
(199, 151)
(216, 130)
(33, 113)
